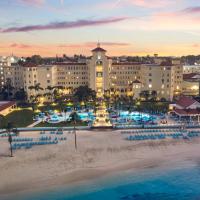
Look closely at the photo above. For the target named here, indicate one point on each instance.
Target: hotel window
(99, 74)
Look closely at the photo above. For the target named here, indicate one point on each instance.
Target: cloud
(63, 25)
(72, 45)
(195, 45)
(93, 44)
(110, 43)
(150, 3)
(191, 10)
(145, 3)
(33, 2)
(21, 46)
(186, 20)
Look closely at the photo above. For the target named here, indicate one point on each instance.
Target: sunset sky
(124, 27)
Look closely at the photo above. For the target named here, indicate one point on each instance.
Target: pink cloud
(192, 10)
(150, 3)
(63, 25)
(195, 45)
(33, 2)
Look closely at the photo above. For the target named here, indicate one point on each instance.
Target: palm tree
(154, 95)
(74, 117)
(50, 93)
(33, 101)
(36, 87)
(55, 92)
(9, 129)
(7, 89)
(144, 94)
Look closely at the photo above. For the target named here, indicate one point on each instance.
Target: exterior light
(194, 87)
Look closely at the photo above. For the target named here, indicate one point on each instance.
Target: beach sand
(99, 153)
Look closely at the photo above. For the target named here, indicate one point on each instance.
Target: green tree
(21, 95)
(145, 95)
(50, 93)
(36, 88)
(84, 93)
(7, 89)
(35, 59)
(154, 95)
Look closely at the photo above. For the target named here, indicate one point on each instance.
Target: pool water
(89, 116)
(136, 116)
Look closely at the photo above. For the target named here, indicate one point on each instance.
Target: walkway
(35, 123)
(102, 117)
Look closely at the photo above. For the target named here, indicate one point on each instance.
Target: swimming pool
(86, 116)
(135, 116)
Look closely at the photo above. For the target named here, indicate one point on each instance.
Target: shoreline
(86, 177)
(110, 161)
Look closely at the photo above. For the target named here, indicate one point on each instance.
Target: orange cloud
(93, 44)
(16, 45)
(53, 49)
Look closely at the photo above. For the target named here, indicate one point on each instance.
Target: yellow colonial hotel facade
(102, 73)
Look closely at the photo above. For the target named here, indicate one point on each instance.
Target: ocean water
(180, 183)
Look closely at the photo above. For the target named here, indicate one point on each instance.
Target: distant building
(6, 63)
(187, 107)
(191, 84)
(188, 69)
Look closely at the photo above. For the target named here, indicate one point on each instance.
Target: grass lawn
(19, 118)
(61, 124)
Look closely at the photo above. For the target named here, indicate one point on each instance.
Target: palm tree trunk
(10, 141)
(75, 137)
(11, 150)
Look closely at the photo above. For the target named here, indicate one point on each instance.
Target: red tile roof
(187, 112)
(72, 63)
(6, 104)
(126, 63)
(29, 65)
(190, 76)
(185, 101)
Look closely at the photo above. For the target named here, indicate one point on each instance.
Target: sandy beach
(99, 153)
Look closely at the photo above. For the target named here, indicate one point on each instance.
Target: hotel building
(101, 73)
